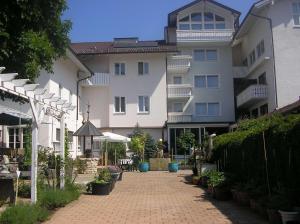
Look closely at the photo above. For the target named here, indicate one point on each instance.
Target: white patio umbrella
(112, 137)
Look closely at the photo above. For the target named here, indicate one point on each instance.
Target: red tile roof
(86, 48)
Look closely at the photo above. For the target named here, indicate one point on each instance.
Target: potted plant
(173, 166)
(220, 188)
(204, 178)
(138, 146)
(195, 180)
(102, 185)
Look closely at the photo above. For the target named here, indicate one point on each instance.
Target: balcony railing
(179, 63)
(252, 95)
(99, 79)
(174, 117)
(179, 91)
(204, 35)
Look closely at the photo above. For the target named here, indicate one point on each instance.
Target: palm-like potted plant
(102, 185)
(138, 145)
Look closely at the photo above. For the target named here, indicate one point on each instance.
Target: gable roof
(90, 48)
(173, 14)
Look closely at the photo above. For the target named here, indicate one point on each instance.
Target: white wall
(287, 51)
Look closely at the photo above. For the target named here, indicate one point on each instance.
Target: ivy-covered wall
(242, 153)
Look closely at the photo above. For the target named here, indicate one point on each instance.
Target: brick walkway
(153, 197)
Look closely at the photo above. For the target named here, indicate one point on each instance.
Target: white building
(266, 57)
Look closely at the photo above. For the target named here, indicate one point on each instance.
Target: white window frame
(207, 115)
(206, 83)
(21, 136)
(120, 105)
(205, 54)
(144, 63)
(120, 71)
(144, 111)
(296, 13)
(190, 23)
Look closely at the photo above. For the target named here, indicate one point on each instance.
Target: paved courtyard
(153, 197)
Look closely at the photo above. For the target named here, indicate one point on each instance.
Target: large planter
(173, 167)
(204, 181)
(101, 189)
(120, 176)
(112, 184)
(222, 194)
(144, 167)
(289, 216)
(115, 176)
(274, 216)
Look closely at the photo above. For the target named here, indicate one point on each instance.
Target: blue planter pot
(173, 167)
(144, 167)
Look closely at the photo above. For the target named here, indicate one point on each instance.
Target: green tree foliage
(150, 146)
(27, 146)
(116, 150)
(32, 35)
(186, 141)
(67, 140)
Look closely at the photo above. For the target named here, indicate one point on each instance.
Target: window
(263, 109)
(262, 79)
(143, 68)
(211, 55)
(58, 134)
(15, 140)
(254, 113)
(245, 62)
(260, 48)
(119, 104)
(201, 20)
(206, 81)
(206, 55)
(199, 55)
(144, 104)
(200, 81)
(208, 109)
(177, 80)
(119, 68)
(178, 107)
(252, 57)
(296, 13)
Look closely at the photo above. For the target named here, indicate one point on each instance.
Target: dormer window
(200, 21)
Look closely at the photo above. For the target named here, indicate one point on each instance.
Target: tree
(186, 141)
(32, 35)
(150, 146)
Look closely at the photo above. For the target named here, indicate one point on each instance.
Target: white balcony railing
(253, 94)
(174, 117)
(99, 79)
(179, 91)
(179, 63)
(204, 35)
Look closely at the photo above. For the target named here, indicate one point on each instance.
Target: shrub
(52, 198)
(24, 213)
(24, 190)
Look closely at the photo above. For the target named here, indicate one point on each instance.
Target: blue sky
(102, 20)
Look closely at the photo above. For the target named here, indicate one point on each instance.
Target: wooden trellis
(42, 102)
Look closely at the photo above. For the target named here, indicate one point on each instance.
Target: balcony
(179, 64)
(174, 117)
(240, 71)
(252, 95)
(99, 79)
(195, 36)
(179, 91)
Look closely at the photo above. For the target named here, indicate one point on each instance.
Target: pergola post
(62, 151)
(34, 163)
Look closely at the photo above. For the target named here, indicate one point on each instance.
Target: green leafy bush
(242, 153)
(216, 178)
(56, 198)
(24, 190)
(24, 213)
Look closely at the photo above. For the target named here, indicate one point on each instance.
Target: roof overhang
(250, 19)
(72, 56)
(172, 17)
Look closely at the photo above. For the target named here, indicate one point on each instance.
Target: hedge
(242, 154)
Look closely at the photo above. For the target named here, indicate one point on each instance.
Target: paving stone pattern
(153, 197)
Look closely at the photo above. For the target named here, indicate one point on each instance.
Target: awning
(112, 137)
(87, 129)
(9, 116)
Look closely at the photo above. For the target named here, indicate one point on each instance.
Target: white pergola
(42, 102)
